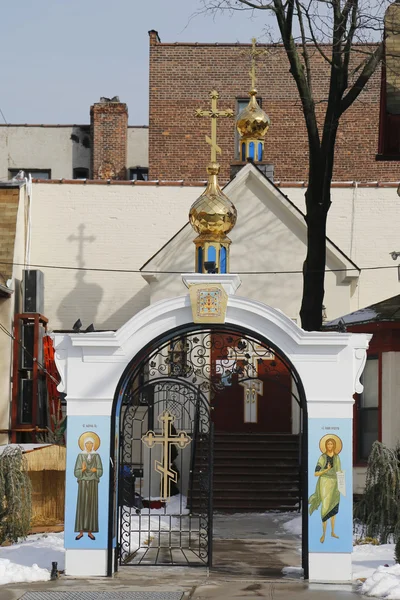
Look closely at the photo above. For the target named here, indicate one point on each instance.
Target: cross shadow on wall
(83, 300)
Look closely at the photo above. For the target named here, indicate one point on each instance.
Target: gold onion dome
(213, 214)
(252, 121)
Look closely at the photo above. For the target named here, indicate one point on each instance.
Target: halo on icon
(89, 434)
(331, 436)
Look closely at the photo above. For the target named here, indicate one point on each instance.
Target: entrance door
(255, 392)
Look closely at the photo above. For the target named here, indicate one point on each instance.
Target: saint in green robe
(326, 491)
(87, 506)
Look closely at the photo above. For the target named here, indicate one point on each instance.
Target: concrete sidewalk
(194, 583)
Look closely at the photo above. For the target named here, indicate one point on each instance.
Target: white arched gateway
(106, 376)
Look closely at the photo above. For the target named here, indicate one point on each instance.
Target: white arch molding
(329, 364)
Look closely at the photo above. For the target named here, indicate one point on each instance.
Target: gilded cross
(252, 387)
(254, 53)
(252, 356)
(214, 114)
(166, 438)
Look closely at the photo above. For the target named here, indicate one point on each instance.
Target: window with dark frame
(389, 121)
(368, 409)
(81, 173)
(389, 118)
(36, 173)
(138, 174)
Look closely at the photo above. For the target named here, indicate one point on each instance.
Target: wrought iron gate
(166, 447)
(168, 401)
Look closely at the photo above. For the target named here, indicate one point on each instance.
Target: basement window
(36, 173)
(139, 174)
(81, 173)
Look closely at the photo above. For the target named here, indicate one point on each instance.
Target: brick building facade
(183, 74)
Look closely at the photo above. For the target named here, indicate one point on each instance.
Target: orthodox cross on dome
(213, 114)
(254, 54)
(166, 438)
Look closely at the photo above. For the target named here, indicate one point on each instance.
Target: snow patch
(368, 557)
(293, 571)
(13, 573)
(383, 583)
(30, 559)
(294, 526)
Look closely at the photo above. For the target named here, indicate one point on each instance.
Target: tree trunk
(314, 266)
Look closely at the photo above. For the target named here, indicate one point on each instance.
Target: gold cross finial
(214, 114)
(254, 53)
(166, 438)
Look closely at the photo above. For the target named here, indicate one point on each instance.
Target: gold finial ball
(252, 121)
(213, 168)
(213, 213)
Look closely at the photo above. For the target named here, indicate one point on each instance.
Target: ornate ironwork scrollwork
(183, 376)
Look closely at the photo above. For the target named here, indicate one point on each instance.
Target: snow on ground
(368, 561)
(383, 583)
(293, 526)
(30, 559)
(150, 521)
(367, 558)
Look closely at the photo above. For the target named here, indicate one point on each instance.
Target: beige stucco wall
(365, 224)
(8, 306)
(266, 238)
(138, 147)
(51, 147)
(359, 474)
(390, 398)
(390, 410)
(38, 147)
(122, 227)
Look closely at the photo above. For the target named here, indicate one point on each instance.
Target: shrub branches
(15, 495)
(378, 511)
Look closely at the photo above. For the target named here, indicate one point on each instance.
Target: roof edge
(182, 183)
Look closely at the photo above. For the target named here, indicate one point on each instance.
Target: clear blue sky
(57, 57)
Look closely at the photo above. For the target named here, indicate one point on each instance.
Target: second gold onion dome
(252, 125)
(252, 121)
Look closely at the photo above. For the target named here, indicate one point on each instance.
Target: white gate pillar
(330, 386)
(91, 365)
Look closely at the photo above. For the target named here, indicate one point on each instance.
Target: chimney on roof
(154, 37)
(108, 131)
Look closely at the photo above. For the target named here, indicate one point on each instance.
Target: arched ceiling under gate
(328, 363)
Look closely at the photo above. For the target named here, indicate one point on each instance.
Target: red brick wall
(181, 77)
(108, 127)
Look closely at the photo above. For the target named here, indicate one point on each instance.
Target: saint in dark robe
(88, 470)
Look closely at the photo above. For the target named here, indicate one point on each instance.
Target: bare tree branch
(344, 33)
(306, 55)
(368, 70)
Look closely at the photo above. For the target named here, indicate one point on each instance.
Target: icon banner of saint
(327, 493)
(88, 470)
